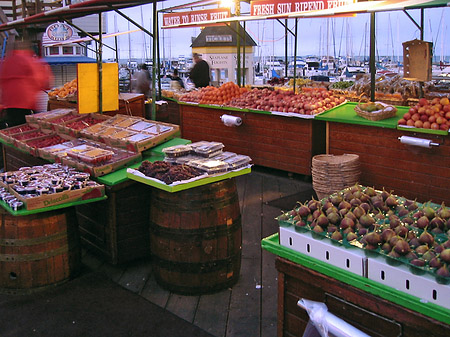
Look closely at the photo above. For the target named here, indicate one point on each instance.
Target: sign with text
(195, 17)
(274, 7)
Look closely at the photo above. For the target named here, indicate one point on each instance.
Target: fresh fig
(350, 215)
(351, 236)
(435, 263)
(386, 247)
(355, 202)
(317, 213)
(426, 238)
(322, 220)
(402, 247)
(401, 231)
(439, 249)
(317, 229)
(412, 206)
(347, 223)
(436, 230)
(413, 243)
(444, 212)
(336, 199)
(332, 229)
(309, 218)
(370, 191)
(365, 206)
(411, 255)
(391, 201)
(429, 212)
(348, 230)
(359, 211)
(336, 236)
(366, 220)
(401, 211)
(422, 249)
(303, 210)
(300, 223)
(373, 238)
(418, 214)
(378, 203)
(385, 194)
(387, 234)
(428, 255)
(327, 205)
(437, 222)
(394, 221)
(445, 255)
(394, 254)
(418, 262)
(343, 211)
(422, 222)
(333, 217)
(408, 220)
(362, 231)
(331, 210)
(443, 271)
(313, 205)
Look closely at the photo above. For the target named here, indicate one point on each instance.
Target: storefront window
(68, 50)
(53, 51)
(78, 50)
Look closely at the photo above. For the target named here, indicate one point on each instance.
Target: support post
(155, 38)
(100, 64)
(372, 67)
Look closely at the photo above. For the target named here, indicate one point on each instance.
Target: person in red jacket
(22, 77)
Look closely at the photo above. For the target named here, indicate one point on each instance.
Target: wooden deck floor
(248, 309)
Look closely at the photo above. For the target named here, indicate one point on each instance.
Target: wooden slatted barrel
(196, 238)
(38, 250)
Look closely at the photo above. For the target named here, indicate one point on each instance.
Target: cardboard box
(37, 118)
(47, 200)
(350, 259)
(63, 128)
(7, 134)
(417, 56)
(34, 151)
(102, 169)
(401, 278)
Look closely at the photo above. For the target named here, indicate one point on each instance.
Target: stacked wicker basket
(332, 173)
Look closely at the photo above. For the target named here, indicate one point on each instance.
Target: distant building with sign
(218, 47)
(62, 52)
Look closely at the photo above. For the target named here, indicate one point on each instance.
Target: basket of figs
(374, 111)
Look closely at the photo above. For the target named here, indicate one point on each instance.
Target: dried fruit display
(434, 114)
(46, 141)
(83, 123)
(401, 230)
(29, 135)
(18, 129)
(64, 119)
(168, 172)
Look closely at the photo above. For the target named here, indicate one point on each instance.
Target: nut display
(168, 172)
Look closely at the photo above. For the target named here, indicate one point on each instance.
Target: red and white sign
(195, 17)
(276, 7)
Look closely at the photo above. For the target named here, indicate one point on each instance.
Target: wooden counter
(129, 104)
(411, 171)
(369, 313)
(285, 143)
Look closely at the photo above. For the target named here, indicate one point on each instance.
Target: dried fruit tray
(8, 134)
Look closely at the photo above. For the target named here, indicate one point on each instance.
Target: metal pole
(372, 57)
(421, 37)
(238, 44)
(158, 63)
(295, 52)
(100, 64)
(243, 57)
(155, 38)
(286, 48)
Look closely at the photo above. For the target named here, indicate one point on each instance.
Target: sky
(316, 36)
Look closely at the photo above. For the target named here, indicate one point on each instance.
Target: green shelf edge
(429, 131)
(271, 244)
(157, 150)
(192, 184)
(23, 212)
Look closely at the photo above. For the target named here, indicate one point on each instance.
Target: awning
(356, 8)
(73, 11)
(59, 60)
(88, 38)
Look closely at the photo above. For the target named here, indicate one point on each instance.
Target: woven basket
(387, 112)
(332, 173)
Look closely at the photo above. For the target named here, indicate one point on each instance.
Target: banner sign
(274, 7)
(195, 17)
(59, 31)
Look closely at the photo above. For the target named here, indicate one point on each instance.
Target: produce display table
(409, 170)
(116, 228)
(129, 104)
(367, 305)
(285, 143)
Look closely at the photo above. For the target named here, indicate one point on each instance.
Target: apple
(407, 115)
(441, 120)
(444, 101)
(446, 108)
(426, 125)
(423, 101)
(412, 110)
(418, 124)
(435, 100)
(444, 127)
(432, 119)
(410, 122)
(421, 110)
(435, 126)
(415, 117)
(423, 118)
(401, 122)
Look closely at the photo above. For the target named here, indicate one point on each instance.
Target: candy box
(73, 127)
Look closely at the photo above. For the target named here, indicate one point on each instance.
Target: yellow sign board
(88, 92)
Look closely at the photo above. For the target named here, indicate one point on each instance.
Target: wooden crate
(369, 313)
(117, 228)
(280, 142)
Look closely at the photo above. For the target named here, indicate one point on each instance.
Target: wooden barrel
(38, 250)
(196, 238)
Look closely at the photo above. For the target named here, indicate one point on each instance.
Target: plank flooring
(249, 308)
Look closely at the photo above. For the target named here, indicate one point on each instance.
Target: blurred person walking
(200, 72)
(23, 76)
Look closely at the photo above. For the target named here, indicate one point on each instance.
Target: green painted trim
(429, 131)
(432, 310)
(23, 212)
(192, 184)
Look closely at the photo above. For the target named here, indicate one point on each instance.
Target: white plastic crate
(401, 278)
(349, 259)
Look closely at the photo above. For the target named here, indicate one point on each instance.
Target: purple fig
(446, 244)
(429, 212)
(348, 230)
(370, 191)
(422, 249)
(351, 216)
(351, 236)
(317, 213)
(309, 218)
(366, 220)
(343, 211)
(402, 247)
(322, 220)
(413, 243)
(373, 238)
(411, 255)
(359, 211)
(401, 231)
(413, 206)
(317, 229)
(336, 236)
(387, 234)
(439, 249)
(444, 212)
(422, 222)
(418, 214)
(394, 254)
(402, 211)
(293, 212)
(347, 223)
(436, 230)
(370, 247)
(391, 201)
(333, 218)
(394, 221)
(336, 199)
(394, 240)
(365, 206)
(332, 229)
(418, 262)
(428, 255)
(348, 196)
(362, 231)
(408, 220)
(385, 194)
(437, 222)
(331, 210)
(386, 247)
(426, 238)
(355, 202)
(313, 205)
(300, 223)
(435, 263)
(378, 203)
(303, 210)
(297, 218)
(445, 255)
(443, 271)
(326, 205)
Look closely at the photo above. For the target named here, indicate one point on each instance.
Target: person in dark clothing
(176, 80)
(200, 72)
